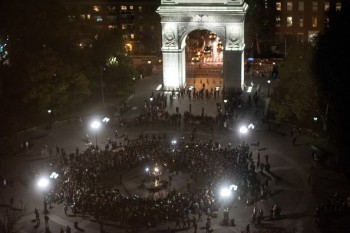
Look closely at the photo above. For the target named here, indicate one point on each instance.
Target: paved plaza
(291, 188)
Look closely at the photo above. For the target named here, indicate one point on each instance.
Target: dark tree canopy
(260, 26)
(332, 68)
(53, 62)
(296, 96)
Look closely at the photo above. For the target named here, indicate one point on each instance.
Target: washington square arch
(225, 18)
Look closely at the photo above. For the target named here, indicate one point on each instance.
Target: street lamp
(43, 183)
(49, 111)
(225, 102)
(243, 130)
(268, 87)
(95, 125)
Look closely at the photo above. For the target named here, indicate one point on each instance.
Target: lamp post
(226, 193)
(95, 125)
(225, 102)
(49, 111)
(43, 183)
(243, 131)
(268, 87)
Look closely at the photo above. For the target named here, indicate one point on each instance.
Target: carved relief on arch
(170, 36)
(181, 29)
(234, 38)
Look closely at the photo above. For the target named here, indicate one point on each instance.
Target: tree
(55, 84)
(42, 68)
(108, 51)
(331, 66)
(296, 96)
(260, 25)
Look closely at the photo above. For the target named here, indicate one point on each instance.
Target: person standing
(37, 216)
(195, 225)
(47, 223)
(248, 228)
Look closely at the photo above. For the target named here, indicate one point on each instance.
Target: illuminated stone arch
(224, 17)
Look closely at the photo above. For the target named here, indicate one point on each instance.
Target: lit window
(301, 22)
(88, 16)
(326, 6)
(289, 6)
(124, 26)
(278, 21)
(289, 21)
(314, 6)
(123, 8)
(314, 21)
(132, 36)
(140, 8)
(278, 6)
(301, 6)
(98, 18)
(131, 7)
(111, 26)
(82, 16)
(338, 6)
(96, 8)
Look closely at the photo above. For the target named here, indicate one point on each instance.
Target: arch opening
(204, 60)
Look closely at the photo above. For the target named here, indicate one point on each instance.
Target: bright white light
(156, 169)
(49, 111)
(95, 124)
(105, 120)
(243, 129)
(234, 187)
(151, 99)
(269, 81)
(147, 169)
(251, 126)
(225, 101)
(53, 175)
(43, 182)
(249, 89)
(159, 87)
(173, 142)
(225, 192)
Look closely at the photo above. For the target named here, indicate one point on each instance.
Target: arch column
(174, 68)
(233, 66)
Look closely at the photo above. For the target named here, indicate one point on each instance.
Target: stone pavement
(290, 166)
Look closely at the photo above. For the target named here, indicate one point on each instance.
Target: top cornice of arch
(202, 2)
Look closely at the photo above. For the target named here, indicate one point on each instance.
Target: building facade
(299, 20)
(136, 19)
(302, 20)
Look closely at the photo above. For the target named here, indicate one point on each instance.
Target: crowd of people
(79, 184)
